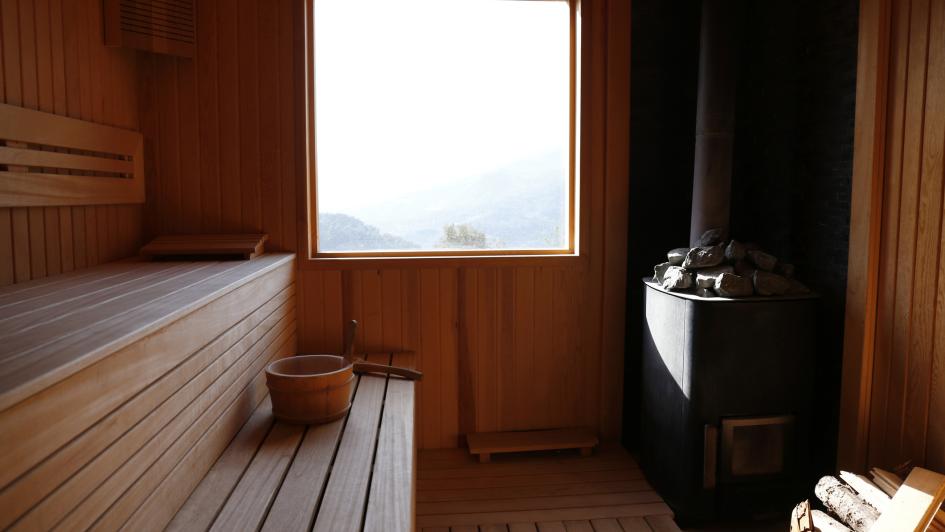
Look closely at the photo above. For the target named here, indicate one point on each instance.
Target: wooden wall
(908, 399)
(902, 359)
(220, 129)
(53, 60)
(503, 346)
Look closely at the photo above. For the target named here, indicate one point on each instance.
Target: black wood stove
(727, 402)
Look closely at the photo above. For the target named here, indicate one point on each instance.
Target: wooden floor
(537, 492)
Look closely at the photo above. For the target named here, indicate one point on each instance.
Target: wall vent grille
(160, 26)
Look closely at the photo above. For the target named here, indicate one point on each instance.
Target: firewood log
(846, 504)
(801, 520)
(868, 491)
(825, 523)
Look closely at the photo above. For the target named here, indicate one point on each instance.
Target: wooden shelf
(246, 246)
(486, 444)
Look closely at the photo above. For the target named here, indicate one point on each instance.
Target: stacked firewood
(854, 502)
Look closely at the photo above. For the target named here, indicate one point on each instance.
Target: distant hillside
(340, 232)
(517, 206)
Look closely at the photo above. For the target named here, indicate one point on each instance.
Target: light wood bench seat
(355, 473)
(111, 377)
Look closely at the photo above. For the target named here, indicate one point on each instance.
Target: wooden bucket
(310, 389)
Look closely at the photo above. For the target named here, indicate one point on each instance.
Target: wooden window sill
(452, 261)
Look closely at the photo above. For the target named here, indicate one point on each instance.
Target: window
(443, 127)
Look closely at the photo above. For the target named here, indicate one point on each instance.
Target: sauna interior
(555, 265)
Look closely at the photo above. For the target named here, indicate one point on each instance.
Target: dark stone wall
(792, 161)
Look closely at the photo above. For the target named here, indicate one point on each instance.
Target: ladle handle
(368, 367)
(350, 330)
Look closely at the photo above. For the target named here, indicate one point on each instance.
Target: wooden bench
(352, 474)
(113, 377)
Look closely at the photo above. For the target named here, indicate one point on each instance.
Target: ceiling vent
(160, 26)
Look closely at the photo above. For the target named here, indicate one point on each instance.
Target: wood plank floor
(537, 492)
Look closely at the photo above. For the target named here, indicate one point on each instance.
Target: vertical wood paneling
(53, 59)
(431, 386)
(220, 127)
(523, 355)
(249, 106)
(906, 419)
(449, 358)
(501, 347)
(890, 230)
(468, 350)
(207, 117)
(487, 374)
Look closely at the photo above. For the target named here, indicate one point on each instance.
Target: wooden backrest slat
(36, 127)
(47, 160)
(65, 161)
(22, 189)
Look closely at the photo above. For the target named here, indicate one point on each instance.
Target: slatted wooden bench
(356, 473)
(120, 383)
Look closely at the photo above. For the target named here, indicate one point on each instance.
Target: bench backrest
(50, 160)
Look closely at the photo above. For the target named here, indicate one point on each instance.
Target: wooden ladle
(369, 367)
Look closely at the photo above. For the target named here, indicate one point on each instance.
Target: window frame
(436, 258)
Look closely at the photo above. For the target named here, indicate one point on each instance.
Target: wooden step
(485, 444)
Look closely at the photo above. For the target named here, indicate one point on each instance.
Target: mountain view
(519, 206)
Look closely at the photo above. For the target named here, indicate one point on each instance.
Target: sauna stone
(660, 270)
(763, 260)
(708, 277)
(731, 285)
(735, 251)
(704, 257)
(745, 268)
(677, 256)
(677, 278)
(770, 284)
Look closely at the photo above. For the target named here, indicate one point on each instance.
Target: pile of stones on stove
(716, 268)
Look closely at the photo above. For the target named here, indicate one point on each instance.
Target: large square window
(443, 127)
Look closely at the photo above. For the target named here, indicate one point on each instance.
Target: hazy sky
(412, 92)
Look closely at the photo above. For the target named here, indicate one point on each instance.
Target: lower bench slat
(342, 507)
(355, 472)
(303, 487)
(249, 502)
(390, 506)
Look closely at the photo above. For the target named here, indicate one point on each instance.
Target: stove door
(756, 448)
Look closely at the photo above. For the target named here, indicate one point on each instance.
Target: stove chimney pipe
(715, 120)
